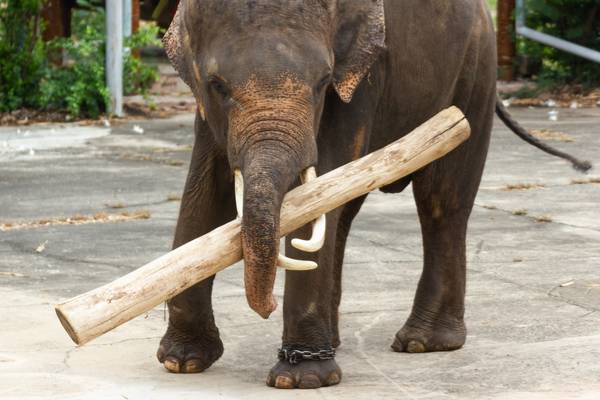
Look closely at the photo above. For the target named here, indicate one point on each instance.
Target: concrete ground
(533, 297)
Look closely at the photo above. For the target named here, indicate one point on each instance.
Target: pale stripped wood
(94, 313)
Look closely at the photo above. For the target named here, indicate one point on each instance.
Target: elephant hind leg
(436, 320)
(445, 193)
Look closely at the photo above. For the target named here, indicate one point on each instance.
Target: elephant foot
(305, 375)
(417, 336)
(182, 351)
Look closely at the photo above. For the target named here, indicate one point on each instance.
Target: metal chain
(296, 356)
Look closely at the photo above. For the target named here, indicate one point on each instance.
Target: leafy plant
(139, 75)
(577, 21)
(22, 53)
(78, 85)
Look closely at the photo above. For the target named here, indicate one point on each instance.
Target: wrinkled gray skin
(283, 85)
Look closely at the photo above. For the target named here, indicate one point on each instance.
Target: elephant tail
(513, 125)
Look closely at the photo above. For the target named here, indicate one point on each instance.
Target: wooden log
(94, 313)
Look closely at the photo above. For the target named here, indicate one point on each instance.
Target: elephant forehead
(279, 87)
(268, 54)
(257, 12)
(273, 27)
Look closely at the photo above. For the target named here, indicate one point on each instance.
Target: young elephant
(283, 86)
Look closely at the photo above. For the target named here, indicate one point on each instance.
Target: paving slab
(533, 295)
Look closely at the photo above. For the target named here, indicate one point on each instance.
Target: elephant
(289, 89)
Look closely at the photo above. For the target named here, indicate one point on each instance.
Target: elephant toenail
(415, 347)
(271, 380)
(333, 379)
(397, 346)
(160, 354)
(284, 382)
(309, 381)
(172, 365)
(192, 366)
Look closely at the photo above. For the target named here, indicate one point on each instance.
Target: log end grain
(64, 320)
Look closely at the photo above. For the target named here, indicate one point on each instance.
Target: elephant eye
(323, 83)
(218, 86)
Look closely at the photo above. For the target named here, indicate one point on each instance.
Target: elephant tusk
(315, 243)
(239, 192)
(317, 239)
(295, 265)
(282, 261)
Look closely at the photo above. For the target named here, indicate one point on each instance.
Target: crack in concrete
(385, 246)
(122, 341)
(588, 307)
(541, 186)
(21, 248)
(495, 208)
(587, 314)
(12, 306)
(78, 219)
(386, 310)
(530, 259)
(534, 289)
(147, 204)
(382, 262)
(479, 248)
(360, 349)
(67, 358)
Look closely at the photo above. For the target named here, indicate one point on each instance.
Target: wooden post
(57, 17)
(57, 24)
(135, 15)
(94, 313)
(506, 39)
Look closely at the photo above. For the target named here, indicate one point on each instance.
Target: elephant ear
(359, 40)
(177, 46)
(174, 47)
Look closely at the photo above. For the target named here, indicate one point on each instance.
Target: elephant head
(259, 70)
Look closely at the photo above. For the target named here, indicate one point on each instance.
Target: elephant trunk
(268, 171)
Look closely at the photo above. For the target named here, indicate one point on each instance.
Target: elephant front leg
(191, 342)
(307, 312)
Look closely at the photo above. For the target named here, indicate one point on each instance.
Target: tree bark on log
(94, 313)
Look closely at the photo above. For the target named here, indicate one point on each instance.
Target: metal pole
(127, 11)
(114, 55)
(520, 11)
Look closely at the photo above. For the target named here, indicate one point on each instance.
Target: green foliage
(77, 85)
(138, 75)
(22, 55)
(577, 21)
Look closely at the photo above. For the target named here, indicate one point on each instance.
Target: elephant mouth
(312, 245)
